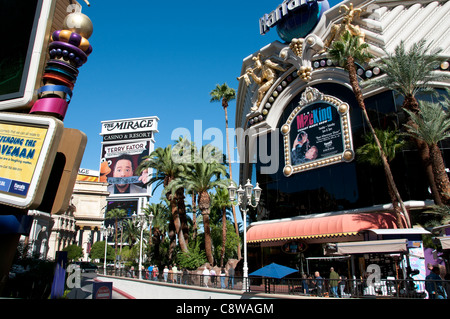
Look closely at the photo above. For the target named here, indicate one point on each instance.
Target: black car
(86, 266)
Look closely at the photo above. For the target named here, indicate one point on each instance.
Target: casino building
(321, 205)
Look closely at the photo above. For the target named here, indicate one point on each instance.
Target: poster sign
(121, 161)
(294, 247)
(317, 133)
(28, 145)
(125, 144)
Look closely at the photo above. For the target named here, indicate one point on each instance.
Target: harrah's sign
(270, 20)
(130, 125)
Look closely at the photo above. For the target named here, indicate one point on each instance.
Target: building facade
(79, 225)
(302, 126)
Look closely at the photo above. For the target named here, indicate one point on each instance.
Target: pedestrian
(205, 274)
(319, 283)
(155, 273)
(231, 277)
(305, 284)
(165, 273)
(185, 276)
(222, 277)
(170, 274)
(342, 282)
(175, 273)
(433, 285)
(334, 282)
(150, 272)
(212, 273)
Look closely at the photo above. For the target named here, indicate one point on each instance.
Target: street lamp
(244, 197)
(140, 218)
(106, 232)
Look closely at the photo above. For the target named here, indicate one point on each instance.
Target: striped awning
(319, 226)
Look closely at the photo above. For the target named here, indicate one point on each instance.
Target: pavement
(87, 283)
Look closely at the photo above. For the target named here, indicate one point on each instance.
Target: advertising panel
(27, 144)
(125, 143)
(24, 27)
(130, 207)
(317, 133)
(87, 175)
(122, 160)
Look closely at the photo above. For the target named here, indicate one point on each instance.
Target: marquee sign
(317, 133)
(130, 126)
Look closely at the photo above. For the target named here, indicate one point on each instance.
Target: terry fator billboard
(125, 143)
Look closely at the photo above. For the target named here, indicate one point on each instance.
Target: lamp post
(106, 231)
(244, 197)
(140, 218)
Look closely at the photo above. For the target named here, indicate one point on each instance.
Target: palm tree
(202, 176)
(226, 94)
(346, 52)
(159, 228)
(408, 72)
(116, 214)
(391, 143)
(442, 212)
(431, 125)
(131, 232)
(167, 169)
(221, 200)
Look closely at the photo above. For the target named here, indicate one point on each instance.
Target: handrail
(343, 288)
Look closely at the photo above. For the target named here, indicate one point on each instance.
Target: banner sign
(127, 136)
(125, 144)
(28, 146)
(317, 133)
(129, 126)
(294, 247)
(120, 161)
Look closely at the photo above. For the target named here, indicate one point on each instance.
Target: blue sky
(162, 59)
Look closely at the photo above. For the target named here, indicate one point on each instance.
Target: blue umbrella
(273, 271)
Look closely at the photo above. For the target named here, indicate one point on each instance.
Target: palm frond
(409, 71)
(431, 125)
(349, 46)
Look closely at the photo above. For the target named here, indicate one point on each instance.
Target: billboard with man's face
(118, 167)
(125, 144)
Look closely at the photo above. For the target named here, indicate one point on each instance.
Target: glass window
(345, 185)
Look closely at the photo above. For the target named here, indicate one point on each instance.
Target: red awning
(319, 226)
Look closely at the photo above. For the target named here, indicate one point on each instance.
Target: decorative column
(69, 49)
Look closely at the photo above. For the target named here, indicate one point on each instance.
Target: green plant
(192, 259)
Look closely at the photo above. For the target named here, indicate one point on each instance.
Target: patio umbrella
(273, 271)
